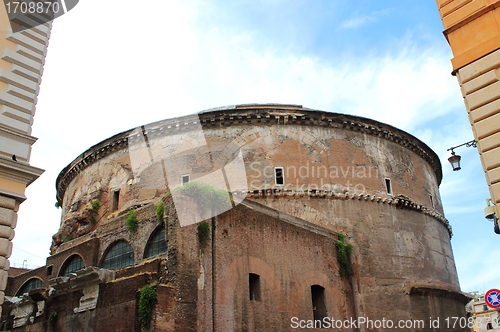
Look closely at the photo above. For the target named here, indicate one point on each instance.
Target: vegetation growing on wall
(147, 301)
(344, 256)
(160, 211)
(203, 234)
(96, 204)
(132, 222)
(53, 319)
(206, 196)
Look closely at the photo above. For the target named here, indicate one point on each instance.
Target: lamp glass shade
(455, 161)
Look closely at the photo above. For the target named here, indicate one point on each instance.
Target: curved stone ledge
(398, 201)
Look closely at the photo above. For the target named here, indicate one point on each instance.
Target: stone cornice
(19, 171)
(16, 135)
(251, 114)
(438, 292)
(400, 202)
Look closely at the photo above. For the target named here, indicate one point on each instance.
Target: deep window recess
(116, 200)
(318, 302)
(254, 286)
(388, 186)
(33, 283)
(120, 255)
(73, 264)
(432, 201)
(156, 244)
(279, 176)
(49, 270)
(185, 179)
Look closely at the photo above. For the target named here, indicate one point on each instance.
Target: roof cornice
(251, 114)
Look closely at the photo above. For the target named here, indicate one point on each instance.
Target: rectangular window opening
(432, 201)
(388, 186)
(185, 179)
(318, 302)
(116, 200)
(254, 285)
(49, 270)
(279, 176)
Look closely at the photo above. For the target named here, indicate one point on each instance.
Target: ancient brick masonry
(298, 179)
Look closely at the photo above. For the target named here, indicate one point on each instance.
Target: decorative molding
(438, 292)
(18, 171)
(397, 201)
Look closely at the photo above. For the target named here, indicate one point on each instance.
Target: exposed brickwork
(367, 180)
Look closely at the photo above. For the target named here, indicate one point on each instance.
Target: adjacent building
(485, 317)
(22, 56)
(472, 29)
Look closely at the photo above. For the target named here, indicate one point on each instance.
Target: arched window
(33, 283)
(119, 255)
(72, 264)
(156, 244)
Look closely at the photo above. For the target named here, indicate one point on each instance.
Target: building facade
(323, 217)
(485, 317)
(21, 66)
(472, 29)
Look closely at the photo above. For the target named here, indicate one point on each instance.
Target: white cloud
(355, 22)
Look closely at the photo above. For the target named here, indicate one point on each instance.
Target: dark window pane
(73, 264)
(33, 283)
(156, 244)
(120, 255)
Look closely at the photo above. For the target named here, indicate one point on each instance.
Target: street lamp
(455, 161)
(455, 158)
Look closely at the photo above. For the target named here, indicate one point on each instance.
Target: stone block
(5, 248)
(480, 82)
(485, 111)
(478, 67)
(489, 142)
(6, 232)
(8, 203)
(7, 216)
(489, 126)
(490, 159)
(3, 279)
(484, 96)
(493, 176)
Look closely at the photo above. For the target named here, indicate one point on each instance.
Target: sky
(115, 65)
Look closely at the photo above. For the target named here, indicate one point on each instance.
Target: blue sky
(114, 65)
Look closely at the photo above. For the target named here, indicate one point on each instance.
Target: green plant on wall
(206, 196)
(96, 204)
(132, 222)
(160, 211)
(203, 234)
(344, 256)
(147, 301)
(53, 319)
